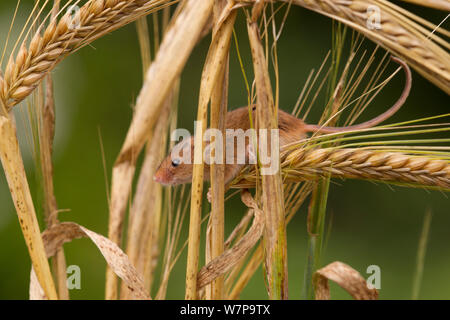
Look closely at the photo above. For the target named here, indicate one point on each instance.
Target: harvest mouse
(174, 171)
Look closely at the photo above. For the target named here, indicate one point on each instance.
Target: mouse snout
(158, 177)
(161, 177)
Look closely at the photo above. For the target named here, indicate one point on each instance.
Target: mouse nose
(163, 177)
(157, 178)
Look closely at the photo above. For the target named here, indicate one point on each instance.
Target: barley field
(94, 98)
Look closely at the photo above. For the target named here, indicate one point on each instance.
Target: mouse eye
(176, 162)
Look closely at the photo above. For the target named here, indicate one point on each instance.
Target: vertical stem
(175, 48)
(319, 198)
(215, 61)
(196, 204)
(421, 251)
(145, 201)
(18, 185)
(272, 186)
(218, 113)
(144, 44)
(46, 137)
(316, 225)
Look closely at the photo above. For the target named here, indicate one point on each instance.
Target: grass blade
(316, 226)
(421, 251)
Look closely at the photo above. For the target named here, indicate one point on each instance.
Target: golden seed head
(43, 66)
(417, 163)
(63, 24)
(21, 92)
(111, 3)
(32, 79)
(49, 33)
(395, 167)
(97, 7)
(35, 44)
(21, 56)
(9, 70)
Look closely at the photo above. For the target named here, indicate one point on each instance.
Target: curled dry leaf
(347, 278)
(58, 234)
(232, 256)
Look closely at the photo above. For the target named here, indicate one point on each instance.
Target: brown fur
(291, 129)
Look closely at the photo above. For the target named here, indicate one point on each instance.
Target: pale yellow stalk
(271, 185)
(216, 59)
(175, 48)
(18, 185)
(219, 101)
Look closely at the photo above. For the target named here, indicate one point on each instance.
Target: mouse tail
(382, 117)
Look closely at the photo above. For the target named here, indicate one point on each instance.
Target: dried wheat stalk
(175, 48)
(13, 166)
(64, 36)
(46, 129)
(145, 203)
(393, 167)
(228, 260)
(437, 4)
(212, 70)
(295, 195)
(219, 101)
(275, 247)
(145, 211)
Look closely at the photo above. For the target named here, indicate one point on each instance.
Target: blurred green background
(372, 224)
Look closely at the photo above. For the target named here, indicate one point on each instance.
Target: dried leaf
(347, 278)
(58, 234)
(231, 257)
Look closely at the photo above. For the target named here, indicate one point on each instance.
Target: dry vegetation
(155, 216)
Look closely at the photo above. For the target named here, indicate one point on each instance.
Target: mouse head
(177, 167)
